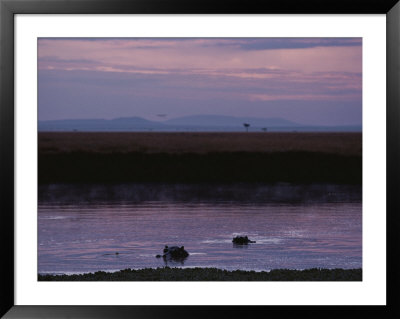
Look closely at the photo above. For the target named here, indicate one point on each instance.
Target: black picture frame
(8, 8)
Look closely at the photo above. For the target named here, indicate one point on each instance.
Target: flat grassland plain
(115, 157)
(82, 157)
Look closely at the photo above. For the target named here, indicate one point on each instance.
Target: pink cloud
(200, 53)
(224, 68)
(303, 97)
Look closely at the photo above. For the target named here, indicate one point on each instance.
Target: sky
(314, 81)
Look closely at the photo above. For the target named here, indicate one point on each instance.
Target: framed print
(161, 155)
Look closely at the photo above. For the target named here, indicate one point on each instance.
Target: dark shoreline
(199, 157)
(217, 167)
(212, 274)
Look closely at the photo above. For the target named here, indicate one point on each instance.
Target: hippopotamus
(240, 240)
(174, 253)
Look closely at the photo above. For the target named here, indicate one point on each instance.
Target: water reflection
(240, 246)
(169, 262)
(241, 193)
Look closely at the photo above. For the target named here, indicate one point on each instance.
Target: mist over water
(86, 228)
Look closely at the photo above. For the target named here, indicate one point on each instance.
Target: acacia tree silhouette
(246, 125)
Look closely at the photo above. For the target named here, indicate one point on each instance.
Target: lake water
(82, 227)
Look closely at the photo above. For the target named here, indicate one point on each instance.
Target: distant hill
(118, 124)
(223, 123)
(195, 123)
(229, 121)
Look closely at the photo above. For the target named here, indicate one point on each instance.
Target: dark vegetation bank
(212, 274)
(200, 157)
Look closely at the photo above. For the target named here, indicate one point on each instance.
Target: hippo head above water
(174, 253)
(242, 240)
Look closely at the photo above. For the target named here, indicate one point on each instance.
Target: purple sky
(316, 81)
